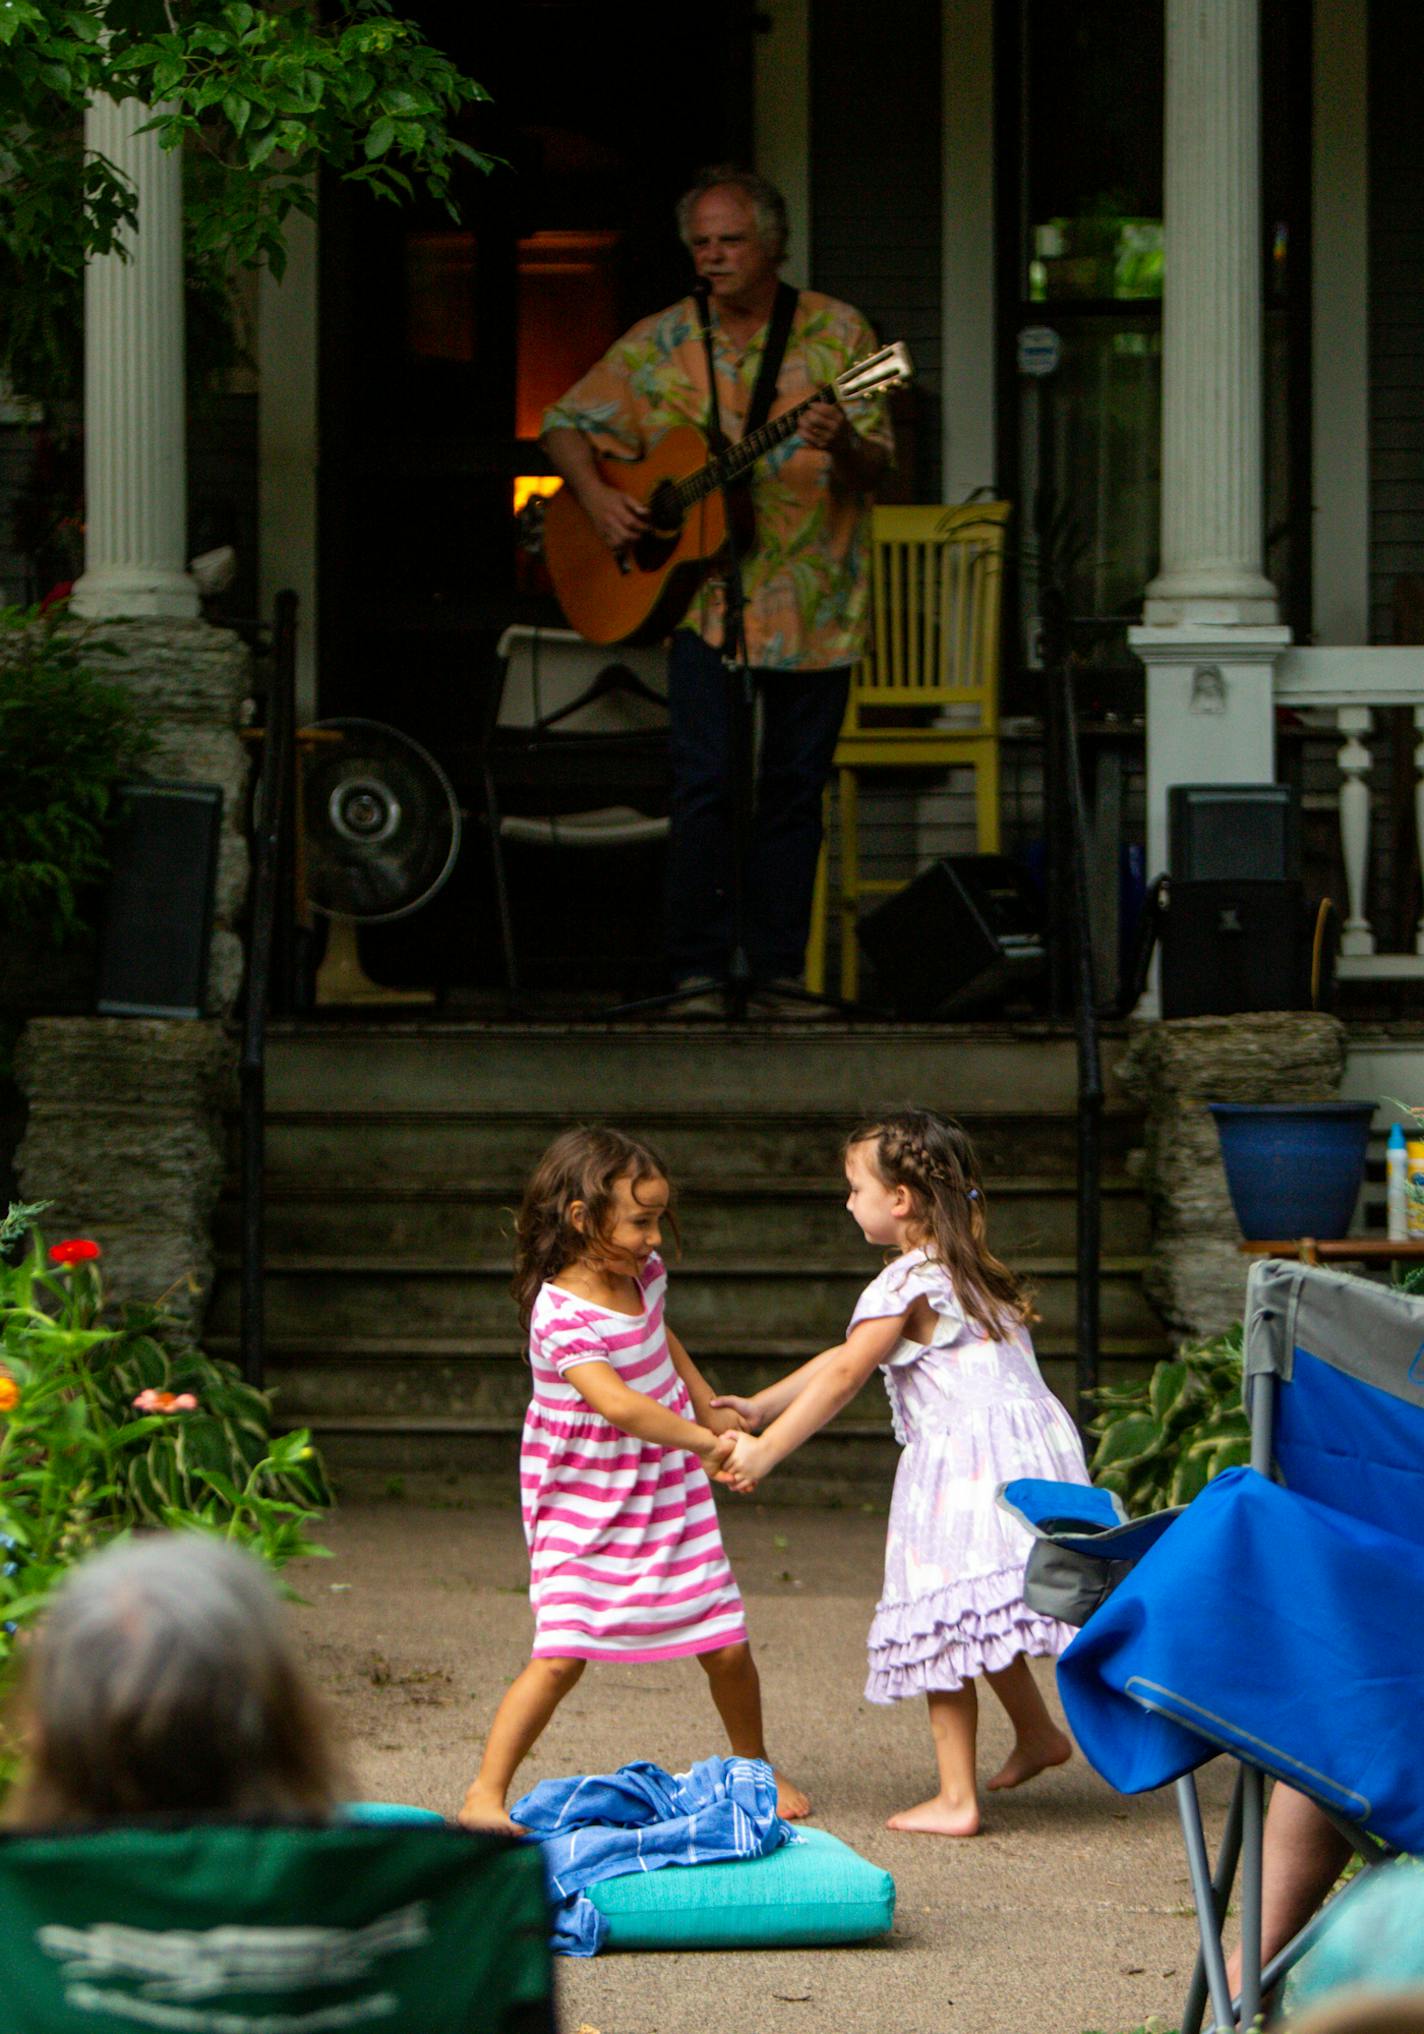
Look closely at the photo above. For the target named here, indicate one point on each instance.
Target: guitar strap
(778, 331)
(777, 334)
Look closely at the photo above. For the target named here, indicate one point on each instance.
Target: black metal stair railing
(1073, 974)
(272, 810)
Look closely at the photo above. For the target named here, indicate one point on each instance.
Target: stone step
(625, 1071)
(342, 1296)
(374, 1146)
(756, 1220)
(473, 1383)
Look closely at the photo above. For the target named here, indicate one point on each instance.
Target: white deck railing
(1344, 688)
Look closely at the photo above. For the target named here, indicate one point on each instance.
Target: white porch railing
(1345, 688)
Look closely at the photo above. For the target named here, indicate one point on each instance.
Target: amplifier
(965, 934)
(158, 916)
(1217, 832)
(1236, 946)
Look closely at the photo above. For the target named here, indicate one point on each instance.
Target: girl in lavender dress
(946, 1322)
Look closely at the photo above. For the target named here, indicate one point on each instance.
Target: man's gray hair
(163, 1678)
(764, 198)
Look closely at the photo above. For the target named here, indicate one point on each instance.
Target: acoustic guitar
(641, 594)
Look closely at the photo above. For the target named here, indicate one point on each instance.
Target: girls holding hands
(625, 1551)
(946, 1321)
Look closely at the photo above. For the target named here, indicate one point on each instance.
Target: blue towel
(639, 1819)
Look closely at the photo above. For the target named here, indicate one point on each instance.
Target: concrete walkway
(1070, 1912)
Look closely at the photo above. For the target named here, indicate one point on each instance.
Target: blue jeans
(802, 713)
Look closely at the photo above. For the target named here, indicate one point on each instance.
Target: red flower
(77, 1250)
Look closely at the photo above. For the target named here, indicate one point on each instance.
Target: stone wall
(1197, 1275)
(124, 1126)
(125, 1138)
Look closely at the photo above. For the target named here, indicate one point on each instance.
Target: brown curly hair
(584, 1164)
(933, 1158)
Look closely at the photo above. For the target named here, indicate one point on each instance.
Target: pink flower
(76, 1250)
(151, 1401)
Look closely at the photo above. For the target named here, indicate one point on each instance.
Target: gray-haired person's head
(766, 201)
(163, 1680)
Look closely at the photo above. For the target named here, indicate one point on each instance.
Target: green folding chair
(244, 1928)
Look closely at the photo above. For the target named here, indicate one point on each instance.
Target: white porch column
(135, 481)
(1210, 637)
(781, 90)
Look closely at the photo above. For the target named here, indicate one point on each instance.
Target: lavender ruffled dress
(970, 1413)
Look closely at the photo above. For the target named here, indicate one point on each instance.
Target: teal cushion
(812, 1892)
(385, 1811)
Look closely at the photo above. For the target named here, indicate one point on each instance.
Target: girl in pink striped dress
(625, 1550)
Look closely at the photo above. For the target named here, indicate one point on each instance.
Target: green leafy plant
(67, 738)
(1161, 1440)
(259, 98)
(105, 1427)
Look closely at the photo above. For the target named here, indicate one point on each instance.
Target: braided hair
(583, 1164)
(932, 1157)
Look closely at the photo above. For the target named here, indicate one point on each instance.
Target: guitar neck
(737, 459)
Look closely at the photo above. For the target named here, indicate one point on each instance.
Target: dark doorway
(441, 342)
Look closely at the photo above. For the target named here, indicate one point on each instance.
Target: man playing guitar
(805, 579)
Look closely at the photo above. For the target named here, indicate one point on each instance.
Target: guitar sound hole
(663, 512)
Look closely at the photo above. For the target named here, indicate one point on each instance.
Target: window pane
(1093, 149)
(1089, 455)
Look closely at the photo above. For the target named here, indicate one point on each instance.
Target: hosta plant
(1160, 1440)
(106, 1424)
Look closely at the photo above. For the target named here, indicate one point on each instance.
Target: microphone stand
(741, 700)
(737, 985)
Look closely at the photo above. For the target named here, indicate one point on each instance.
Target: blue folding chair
(1277, 1618)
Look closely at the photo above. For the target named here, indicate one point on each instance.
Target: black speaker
(966, 933)
(158, 916)
(1234, 946)
(1226, 832)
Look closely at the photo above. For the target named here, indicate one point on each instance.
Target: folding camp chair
(229, 1926)
(1277, 1617)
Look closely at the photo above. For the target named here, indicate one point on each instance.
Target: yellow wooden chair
(926, 694)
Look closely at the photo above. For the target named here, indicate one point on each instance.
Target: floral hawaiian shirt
(806, 582)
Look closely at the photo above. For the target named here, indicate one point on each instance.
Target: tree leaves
(260, 98)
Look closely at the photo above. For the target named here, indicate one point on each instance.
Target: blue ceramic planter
(1293, 1168)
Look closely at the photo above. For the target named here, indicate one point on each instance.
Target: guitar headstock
(877, 374)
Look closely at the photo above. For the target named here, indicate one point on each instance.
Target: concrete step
(397, 1152)
(375, 1146)
(354, 1296)
(624, 1071)
(758, 1220)
(321, 1385)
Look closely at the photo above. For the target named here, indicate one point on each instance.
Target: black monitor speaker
(1237, 946)
(1233, 832)
(158, 916)
(966, 934)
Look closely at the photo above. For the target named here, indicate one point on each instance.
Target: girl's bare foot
(1031, 1756)
(791, 1804)
(484, 1810)
(939, 1817)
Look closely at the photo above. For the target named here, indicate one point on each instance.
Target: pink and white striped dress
(626, 1559)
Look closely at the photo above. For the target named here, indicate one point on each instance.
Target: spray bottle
(1396, 1172)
